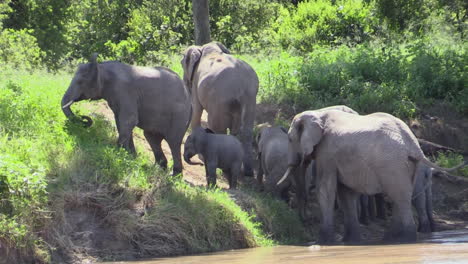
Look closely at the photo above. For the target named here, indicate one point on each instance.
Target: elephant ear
(222, 47)
(191, 58)
(94, 72)
(310, 131)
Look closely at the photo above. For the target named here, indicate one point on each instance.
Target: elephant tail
(435, 166)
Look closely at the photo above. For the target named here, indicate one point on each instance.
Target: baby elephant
(217, 151)
(272, 151)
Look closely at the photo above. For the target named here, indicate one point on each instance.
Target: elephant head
(304, 135)
(192, 56)
(194, 143)
(84, 85)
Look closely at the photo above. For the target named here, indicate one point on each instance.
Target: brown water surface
(440, 247)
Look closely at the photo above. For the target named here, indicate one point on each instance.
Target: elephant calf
(272, 154)
(153, 99)
(217, 151)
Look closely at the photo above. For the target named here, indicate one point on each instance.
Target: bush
(451, 160)
(19, 49)
(321, 22)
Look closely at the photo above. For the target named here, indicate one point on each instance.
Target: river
(437, 248)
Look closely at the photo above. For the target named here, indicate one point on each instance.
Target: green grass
(44, 159)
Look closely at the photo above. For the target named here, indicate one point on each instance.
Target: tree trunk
(201, 19)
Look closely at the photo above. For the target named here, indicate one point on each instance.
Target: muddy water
(441, 247)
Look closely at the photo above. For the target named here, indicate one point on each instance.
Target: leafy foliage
(19, 49)
(322, 22)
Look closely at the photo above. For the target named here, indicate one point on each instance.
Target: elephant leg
(234, 174)
(348, 200)
(197, 111)
(363, 213)
(210, 170)
(380, 206)
(402, 227)
(174, 144)
(371, 206)
(126, 122)
(429, 205)
(419, 202)
(326, 194)
(260, 170)
(246, 135)
(125, 140)
(154, 140)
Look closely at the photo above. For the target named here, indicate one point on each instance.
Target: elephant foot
(248, 172)
(162, 164)
(326, 237)
(352, 237)
(402, 235)
(424, 228)
(364, 220)
(176, 172)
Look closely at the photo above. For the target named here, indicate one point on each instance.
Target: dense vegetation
(395, 56)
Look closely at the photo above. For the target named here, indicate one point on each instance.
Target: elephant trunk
(187, 159)
(67, 101)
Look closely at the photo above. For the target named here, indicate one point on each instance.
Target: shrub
(325, 23)
(451, 160)
(19, 49)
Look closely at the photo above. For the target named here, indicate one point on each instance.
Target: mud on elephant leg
(155, 142)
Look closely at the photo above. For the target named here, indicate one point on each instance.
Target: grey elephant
(421, 200)
(272, 144)
(355, 154)
(217, 151)
(226, 87)
(153, 99)
(304, 181)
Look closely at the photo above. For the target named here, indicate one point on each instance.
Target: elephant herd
(346, 156)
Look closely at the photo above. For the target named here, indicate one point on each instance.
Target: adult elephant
(226, 87)
(355, 154)
(153, 99)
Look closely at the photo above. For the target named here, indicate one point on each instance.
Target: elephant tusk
(286, 174)
(68, 104)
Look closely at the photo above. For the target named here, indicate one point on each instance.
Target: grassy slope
(50, 170)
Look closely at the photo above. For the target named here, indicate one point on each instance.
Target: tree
(201, 19)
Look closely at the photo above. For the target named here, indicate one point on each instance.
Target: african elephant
(154, 99)
(217, 151)
(421, 200)
(226, 87)
(355, 154)
(272, 143)
(306, 178)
